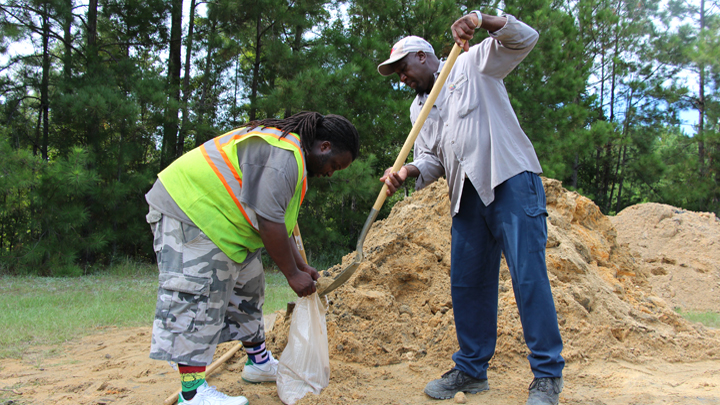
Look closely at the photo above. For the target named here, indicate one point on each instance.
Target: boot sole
(451, 394)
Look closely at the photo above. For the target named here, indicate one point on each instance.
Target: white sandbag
(305, 363)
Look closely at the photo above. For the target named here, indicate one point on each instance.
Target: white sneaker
(207, 395)
(257, 373)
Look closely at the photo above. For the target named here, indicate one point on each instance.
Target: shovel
(439, 83)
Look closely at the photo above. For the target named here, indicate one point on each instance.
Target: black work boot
(545, 391)
(453, 382)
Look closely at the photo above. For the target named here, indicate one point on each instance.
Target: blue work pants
(514, 224)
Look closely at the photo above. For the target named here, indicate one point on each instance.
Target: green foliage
(53, 194)
(18, 176)
(82, 120)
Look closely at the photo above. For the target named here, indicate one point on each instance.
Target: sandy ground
(390, 327)
(112, 367)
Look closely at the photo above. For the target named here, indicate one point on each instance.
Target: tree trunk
(612, 85)
(38, 132)
(607, 182)
(612, 185)
(296, 51)
(620, 181)
(622, 156)
(92, 70)
(120, 165)
(201, 135)
(701, 102)
(61, 115)
(576, 165)
(186, 81)
(44, 87)
(170, 127)
(602, 79)
(236, 84)
(93, 121)
(92, 24)
(256, 70)
(67, 35)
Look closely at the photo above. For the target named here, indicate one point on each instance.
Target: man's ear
(421, 56)
(325, 146)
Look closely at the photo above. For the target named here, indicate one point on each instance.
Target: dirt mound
(678, 249)
(397, 307)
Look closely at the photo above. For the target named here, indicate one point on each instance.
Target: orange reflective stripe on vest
(222, 166)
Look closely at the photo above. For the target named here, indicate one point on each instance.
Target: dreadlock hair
(313, 126)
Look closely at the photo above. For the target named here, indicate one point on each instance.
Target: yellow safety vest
(206, 183)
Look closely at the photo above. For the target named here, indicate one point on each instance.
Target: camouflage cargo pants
(204, 298)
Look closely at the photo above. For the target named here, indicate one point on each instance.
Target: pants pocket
(534, 205)
(154, 219)
(182, 302)
(534, 202)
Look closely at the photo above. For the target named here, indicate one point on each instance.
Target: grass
(47, 311)
(709, 318)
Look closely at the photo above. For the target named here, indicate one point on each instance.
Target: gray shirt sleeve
(427, 156)
(159, 199)
(426, 160)
(269, 176)
(499, 54)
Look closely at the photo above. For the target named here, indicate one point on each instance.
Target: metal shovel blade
(350, 269)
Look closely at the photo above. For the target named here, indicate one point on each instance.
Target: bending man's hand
(306, 268)
(302, 283)
(282, 250)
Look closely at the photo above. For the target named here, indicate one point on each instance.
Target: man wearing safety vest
(210, 212)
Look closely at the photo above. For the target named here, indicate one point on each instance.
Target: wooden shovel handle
(299, 242)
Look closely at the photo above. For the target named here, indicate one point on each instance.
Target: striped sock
(191, 378)
(257, 353)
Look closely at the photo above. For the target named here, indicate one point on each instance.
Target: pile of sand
(678, 249)
(397, 307)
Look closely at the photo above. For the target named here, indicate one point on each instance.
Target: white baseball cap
(401, 49)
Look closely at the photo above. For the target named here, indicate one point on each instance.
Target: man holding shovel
(473, 138)
(210, 212)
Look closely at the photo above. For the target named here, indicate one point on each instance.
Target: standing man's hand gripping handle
(396, 179)
(284, 253)
(464, 28)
